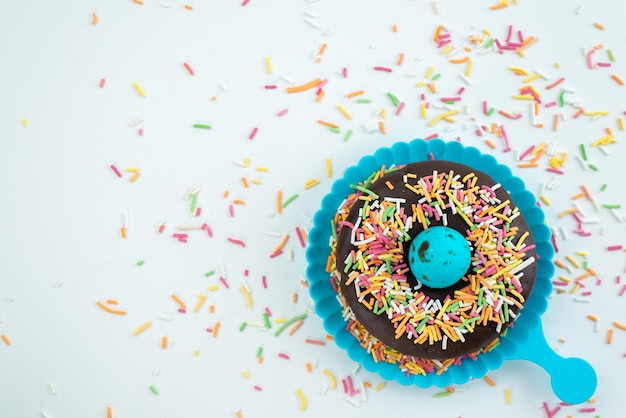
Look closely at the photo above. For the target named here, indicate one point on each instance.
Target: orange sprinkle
(226, 193)
(309, 368)
(592, 317)
(400, 59)
(245, 182)
(500, 5)
(619, 325)
(437, 33)
(188, 7)
(279, 201)
(164, 342)
(212, 308)
(598, 25)
(314, 342)
(489, 380)
(304, 87)
(111, 310)
(138, 2)
(567, 212)
(281, 244)
(319, 96)
(355, 93)
(295, 327)
(260, 361)
(123, 232)
(395, 28)
(216, 328)
(609, 336)
(6, 339)
(329, 124)
(112, 301)
(459, 60)
(322, 49)
(577, 114)
(431, 87)
(490, 144)
(330, 337)
(578, 196)
(592, 271)
(294, 298)
(555, 123)
(109, 412)
(617, 79)
(586, 192)
(94, 19)
(556, 83)
(450, 389)
(239, 202)
(381, 127)
(179, 301)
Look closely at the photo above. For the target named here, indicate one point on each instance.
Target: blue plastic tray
(573, 380)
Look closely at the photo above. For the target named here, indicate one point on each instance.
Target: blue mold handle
(573, 380)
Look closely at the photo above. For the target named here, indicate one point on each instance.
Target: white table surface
(63, 206)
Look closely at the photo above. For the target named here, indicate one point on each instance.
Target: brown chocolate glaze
(379, 325)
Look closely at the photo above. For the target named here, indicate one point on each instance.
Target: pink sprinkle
(451, 99)
(345, 385)
(525, 153)
(283, 355)
(182, 310)
(267, 311)
(603, 64)
(237, 241)
(554, 244)
(231, 211)
(587, 409)
(282, 112)
(264, 282)
(618, 279)
(224, 282)
(443, 43)
(428, 138)
(509, 33)
(431, 156)
(209, 330)
(102, 82)
(209, 231)
(559, 283)
(253, 133)
(555, 170)
(276, 254)
(550, 104)
(198, 212)
(385, 69)
(140, 132)
(461, 90)
(586, 293)
(256, 387)
(400, 107)
(270, 86)
(116, 171)
(319, 91)
(622, 291)
(344, 72)
(614, 247)
(189, 69)
(246, 272)
(520, 36)
(323, 83)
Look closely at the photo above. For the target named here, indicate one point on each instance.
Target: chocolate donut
(391, 309)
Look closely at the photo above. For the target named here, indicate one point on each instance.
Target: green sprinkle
(585, 264)
(610, 54)
(603, 188)
(490, 112)
(335, 130)
(388, 263)
(494, 346)
(243, 326)
(209, 273)
(333, 227)
(489, 43)
(442, 394)
(154, 389)
(194, 203)
(289, 200)
(561, 100)
(140, 263)
(364, 190)
(436, 76)
(592, 166)
(453, 307)
(363, 101)
(266, 319)
(289, 322)
(583, 152)
(394, 99)
(348, 265)
(422, 324)
(202, 126)
(611, 206)
(259, 351)
(347, 136)
(469, 321)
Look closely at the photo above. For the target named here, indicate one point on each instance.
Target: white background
(62, 206)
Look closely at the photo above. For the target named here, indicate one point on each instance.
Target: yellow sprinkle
(201, 299)
(507, 395)
(333, 380)
(311, 183)
(262, 169)
(575, 288)
(213, 287)
(582, 253)
(383, 113)
(519, 70)
(379, 386)
(142, 328)
(468, 68)
(423, 107)
(280, 320)
(329, 168)
(302, 399)
(531, 78)
(139, 89)
(246, 374)
(441, 116)
(268, 65)
(523, 97)
(344, 112)
(247, 295)
(620, 123)
(429, 71)
(557, 65)
(573, 261)
(25, 122)
(196, 352)
(545, 199)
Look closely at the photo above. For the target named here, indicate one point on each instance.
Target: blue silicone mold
(573, 380)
